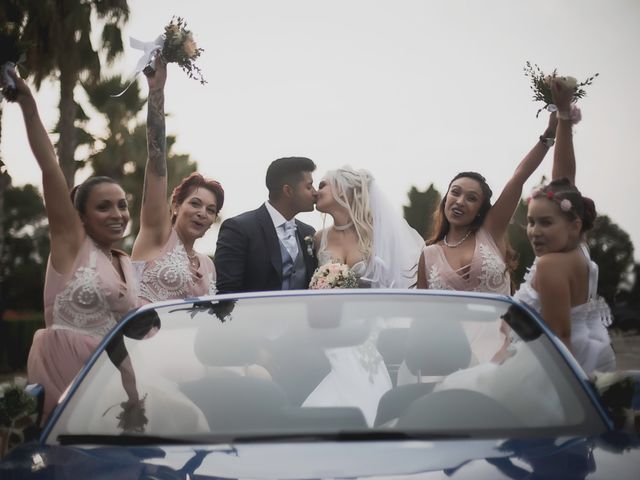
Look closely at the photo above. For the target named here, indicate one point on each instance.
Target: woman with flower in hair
(168, 267)
(562, 282)
(89, 285)
(367, 234)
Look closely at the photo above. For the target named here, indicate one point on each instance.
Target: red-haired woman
(163, 254)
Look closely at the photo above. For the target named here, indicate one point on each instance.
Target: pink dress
(80, 308)
(171, 276)
(487, 273)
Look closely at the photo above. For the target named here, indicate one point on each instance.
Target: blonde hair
(351, 189)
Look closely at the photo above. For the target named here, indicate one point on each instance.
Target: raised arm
(564, 159)
(155, 221)
(502, 210)
(65, 228)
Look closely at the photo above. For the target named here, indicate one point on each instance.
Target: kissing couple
(269, 249)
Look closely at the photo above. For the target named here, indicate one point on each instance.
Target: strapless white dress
(590, 341)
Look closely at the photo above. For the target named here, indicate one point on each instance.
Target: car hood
(616, 455)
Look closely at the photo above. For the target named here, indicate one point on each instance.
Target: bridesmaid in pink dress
(166, 264)
(468, 250)
(89, 286)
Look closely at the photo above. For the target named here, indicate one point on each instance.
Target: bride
(367, 234)
(382, 250)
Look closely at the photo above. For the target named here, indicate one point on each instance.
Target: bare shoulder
(554, 268)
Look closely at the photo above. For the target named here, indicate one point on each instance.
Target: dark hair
(581, 207)
(286, 171)
(80, 193)
(192, 182)
(441, 224)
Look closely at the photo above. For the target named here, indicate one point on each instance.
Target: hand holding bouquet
(333, 275)
(11, 52)
(542, 86)
(178, 47)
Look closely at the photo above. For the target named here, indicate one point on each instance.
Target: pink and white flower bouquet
(333, 275)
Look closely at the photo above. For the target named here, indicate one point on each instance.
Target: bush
(16, 334)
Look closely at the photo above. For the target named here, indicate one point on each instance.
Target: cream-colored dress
(171, 276)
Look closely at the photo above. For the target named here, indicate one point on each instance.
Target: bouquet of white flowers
(541, 86)
(617, 390)
(333, 275)
(17, 415)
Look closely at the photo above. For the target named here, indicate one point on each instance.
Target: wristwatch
(547, 141)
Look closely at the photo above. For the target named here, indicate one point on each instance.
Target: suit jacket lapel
(310, 261)
(271, 239)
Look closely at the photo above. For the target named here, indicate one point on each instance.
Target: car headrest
(224, 345)
(434, 350)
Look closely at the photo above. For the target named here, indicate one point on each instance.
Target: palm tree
(120, 114)
(58, 34)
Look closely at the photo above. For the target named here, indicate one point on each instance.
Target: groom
(265, 249)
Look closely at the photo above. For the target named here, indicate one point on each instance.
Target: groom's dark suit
(248, 253)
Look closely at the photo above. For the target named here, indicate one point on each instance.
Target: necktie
(289, 239)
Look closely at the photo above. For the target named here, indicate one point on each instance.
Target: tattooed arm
(155, 221)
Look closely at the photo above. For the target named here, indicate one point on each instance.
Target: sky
(412, 90)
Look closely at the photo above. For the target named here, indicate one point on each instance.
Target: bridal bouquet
(617, 390)
(333, 275)
(17, 416)
(541, 86)
(11, 52)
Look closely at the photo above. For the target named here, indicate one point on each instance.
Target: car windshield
(329, 364)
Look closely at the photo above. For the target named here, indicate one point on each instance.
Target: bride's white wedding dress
(590, 341)
(358, 376)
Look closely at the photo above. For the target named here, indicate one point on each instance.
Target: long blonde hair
(351, 189)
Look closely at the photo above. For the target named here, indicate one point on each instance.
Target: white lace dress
(171, 276)
(590, 341)
(358, 376)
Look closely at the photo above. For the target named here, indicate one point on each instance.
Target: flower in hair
(565, 205)
(549, 194)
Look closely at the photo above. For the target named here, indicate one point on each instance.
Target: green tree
(611, 248)
(58, 34)
(519, 242)
(26, 248)
(422, 206)
(118, 152)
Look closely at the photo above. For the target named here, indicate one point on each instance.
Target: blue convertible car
(337, 384)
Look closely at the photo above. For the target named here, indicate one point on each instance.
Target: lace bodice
(590, 342)
(92, 297)
(326, 256)
(487, 271)
(171, 276)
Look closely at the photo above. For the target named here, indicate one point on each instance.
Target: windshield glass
(328, 364)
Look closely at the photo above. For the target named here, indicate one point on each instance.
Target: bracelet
(563, 115)
(547, 141)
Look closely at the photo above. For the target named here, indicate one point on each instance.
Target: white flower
(605, 380)
(569, 82)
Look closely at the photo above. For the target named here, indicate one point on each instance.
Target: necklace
(341, 228)
(457, 244)
(193, 259)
